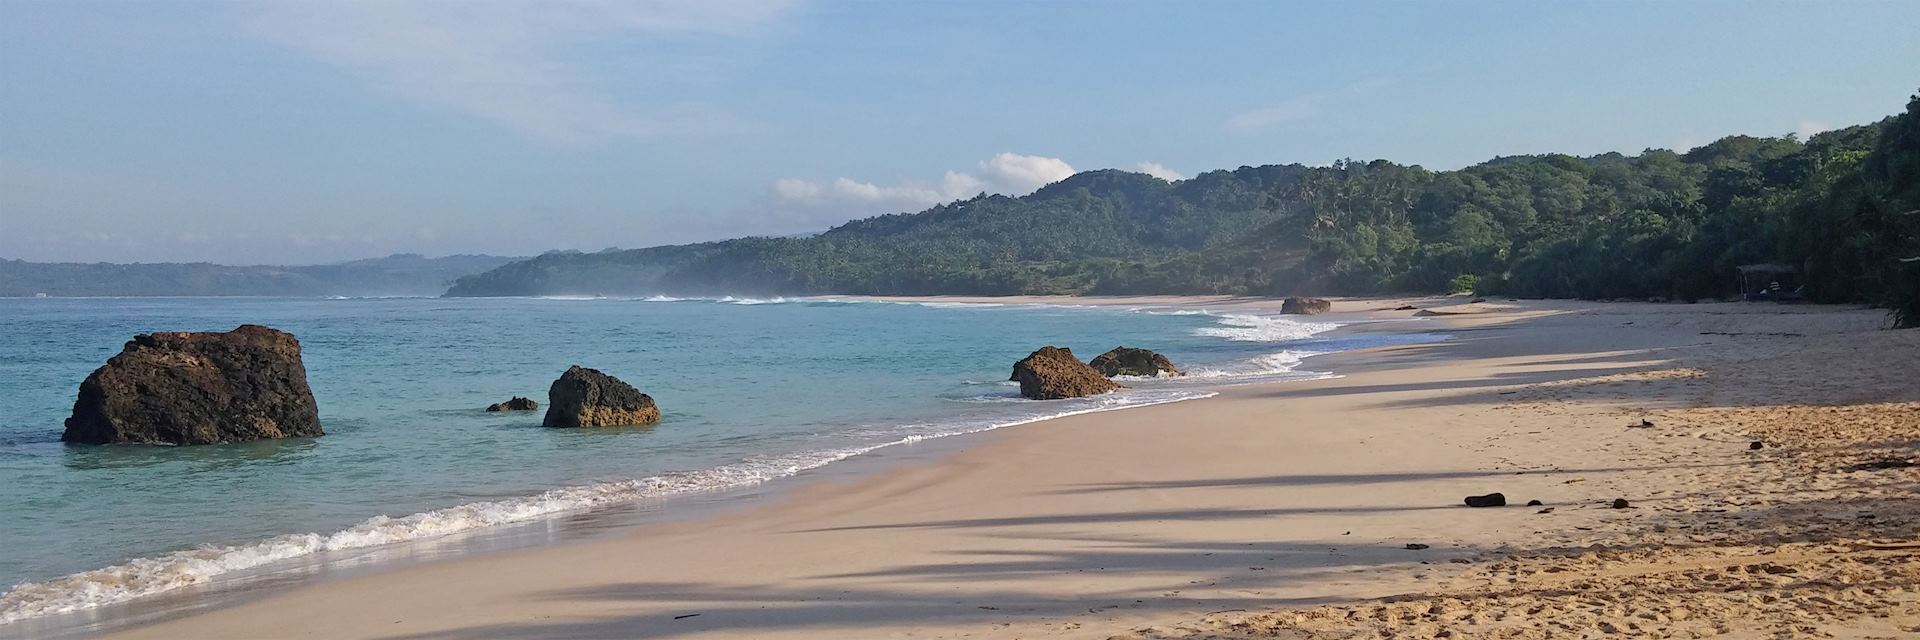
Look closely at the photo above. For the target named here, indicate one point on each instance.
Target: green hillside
(1839, 207)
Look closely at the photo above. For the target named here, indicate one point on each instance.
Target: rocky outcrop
(516, 404)
(584, 397)
(1305, 306)
(1132, 361)
(1053, 373)
(198, 388)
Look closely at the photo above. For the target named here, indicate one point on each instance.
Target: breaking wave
(1252, 328)
(147, 576)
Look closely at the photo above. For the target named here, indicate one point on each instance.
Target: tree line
(1840, 208)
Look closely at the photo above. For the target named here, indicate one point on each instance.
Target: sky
(284, 132)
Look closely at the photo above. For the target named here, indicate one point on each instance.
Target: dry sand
(1286, 510)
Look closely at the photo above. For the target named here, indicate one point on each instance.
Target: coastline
(1296, 493)
(150, 588)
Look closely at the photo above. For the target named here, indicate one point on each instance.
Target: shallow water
(751, 390)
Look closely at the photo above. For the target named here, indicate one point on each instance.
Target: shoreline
(242, 585)
(760, 495)
(1098, 525)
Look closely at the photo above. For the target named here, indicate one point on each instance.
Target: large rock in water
(1305, 306)
(584, 397)
(198, 388)
(1132, 361)
(1052, 373)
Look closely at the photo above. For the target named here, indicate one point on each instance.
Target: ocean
(751, 390)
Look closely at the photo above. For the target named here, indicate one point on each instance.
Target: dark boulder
(1489, 500)
(1130, 361)
(516, 404)
(584, 397)
(1305, 306)
(1053, 373)
(198, 388)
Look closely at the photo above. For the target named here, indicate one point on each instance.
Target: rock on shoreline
(585, 397)
(1133, 361)
(1053, 373)
(198, 388)
(1305, 306)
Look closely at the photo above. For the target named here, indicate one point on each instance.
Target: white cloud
(1020, 174)
(1293, 110)
(1160, 171)
(1808, 128)
(1006, 173)
(499, 60)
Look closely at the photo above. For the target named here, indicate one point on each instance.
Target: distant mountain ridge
(990, 244)
(401, 274)
(1841, 208)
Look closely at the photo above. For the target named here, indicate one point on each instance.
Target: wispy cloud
(1293, 110)
(1006, 173)
(1303, 107)
(501, 60)
(1160, 171)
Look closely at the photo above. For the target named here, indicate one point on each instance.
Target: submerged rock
(1053, 373)
(1131, 361)
(1305, 306)
(584, 397)
(516, 404)
(198, 388)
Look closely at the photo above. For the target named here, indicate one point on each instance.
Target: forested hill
(1840, 207)
(396, 275)
(987, 244)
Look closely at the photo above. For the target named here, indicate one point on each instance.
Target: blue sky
(291, 132)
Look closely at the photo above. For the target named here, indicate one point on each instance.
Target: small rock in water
(1415, 546)
(1489, 500)
(516, 404)
(1534, 503)
(1133, 361)
(1405, 307)
(1756, 445)
(1621, 503)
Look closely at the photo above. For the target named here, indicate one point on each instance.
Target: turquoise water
(751, 390)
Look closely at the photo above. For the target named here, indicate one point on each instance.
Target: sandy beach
(1320, 509)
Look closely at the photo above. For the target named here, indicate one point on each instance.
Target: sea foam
(1252, 328)
(148, 576)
